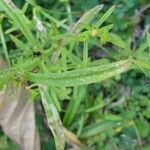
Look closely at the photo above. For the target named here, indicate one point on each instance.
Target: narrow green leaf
(96, 128)
(11, 29)
(55, 99)
(142, 47)
(148, 39)
(105, 16)
(18, 18)
(115, 39)
(25, 7)
(112, 117)
(142, 64)
(58, 23)
(62, 93)
(81, 76)
(97, 107)
(20, 44)
(80, 124)
(85, 53)
(68, 38)
(6, 76)
(85, 19)
(4, 44)
(78, 95)
(103, 33)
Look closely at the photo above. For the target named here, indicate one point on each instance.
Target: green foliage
(80, 76)
(44, 50)
(19, 20)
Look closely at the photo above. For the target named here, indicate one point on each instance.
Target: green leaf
(96, 107)
(55, 99)
(85, 19)
(18, 18)
(81, 76)
(142, 47)
(142, 64)
(96, 128)
(6, 76)
(112, 117)
(115, 39)
(68, 38)
(103, 33)
(78, 95)
(17, 71)
(85, 53)
(4, 44)
(20, 44)
(148, 39)
(105, 16)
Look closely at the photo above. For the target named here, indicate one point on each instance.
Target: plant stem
(68, 8)
(4, 45)
(85, 53)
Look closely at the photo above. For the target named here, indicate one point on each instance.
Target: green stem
(4, 45)
(85, 53)
(137, 134)
(68, 8)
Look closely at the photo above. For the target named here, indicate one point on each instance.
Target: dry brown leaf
(17, 117)
(72, 139)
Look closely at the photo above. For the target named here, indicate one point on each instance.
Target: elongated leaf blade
(142, 64)
(96, 128)
(18, 18)
(105, 16)
(81, 76)
(20, 44)
(148, 39)
(115, 39)
(85, 19)
(72, 109)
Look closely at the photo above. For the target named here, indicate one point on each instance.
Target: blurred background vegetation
(124, 99)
